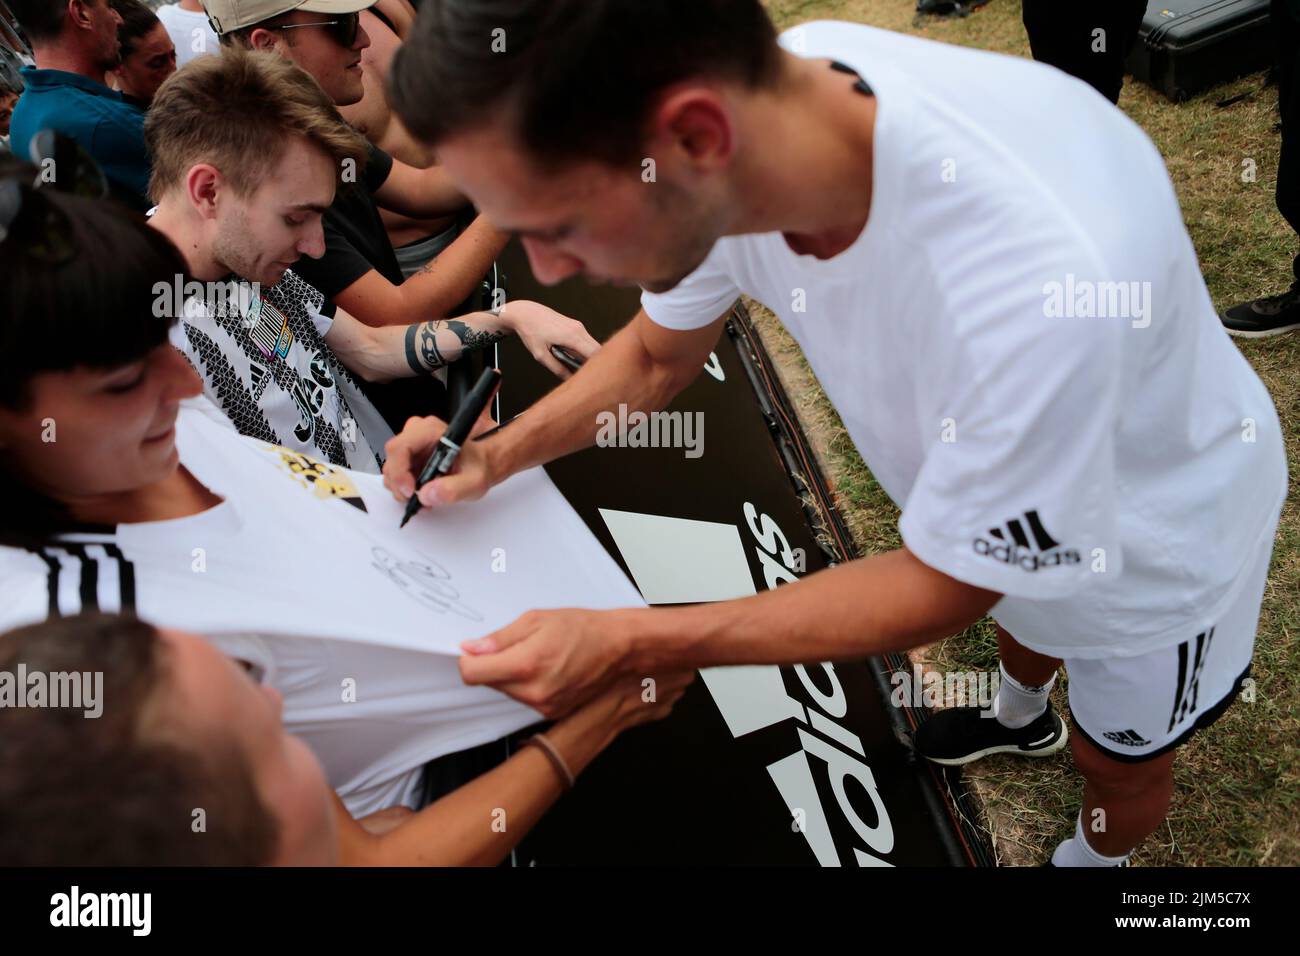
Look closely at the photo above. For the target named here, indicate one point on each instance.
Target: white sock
(1076, 851)
(1017, 705)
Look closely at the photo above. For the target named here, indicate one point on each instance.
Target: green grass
(1237, 800)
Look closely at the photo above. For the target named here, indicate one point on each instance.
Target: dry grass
(1238, 784)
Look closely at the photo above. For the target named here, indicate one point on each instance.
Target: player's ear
(696, 123)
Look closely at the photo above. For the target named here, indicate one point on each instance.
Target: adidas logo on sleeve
(1129, 738)
(1011, 544)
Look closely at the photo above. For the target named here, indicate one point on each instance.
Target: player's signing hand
(553, 661)
(408, 450)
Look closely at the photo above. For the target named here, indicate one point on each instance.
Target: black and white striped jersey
(264, 362)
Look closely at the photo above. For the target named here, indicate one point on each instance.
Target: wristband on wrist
(541, 742)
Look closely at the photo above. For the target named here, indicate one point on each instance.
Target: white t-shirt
(302, 571)
(264, 362)
(191, 33)
(1110, 475)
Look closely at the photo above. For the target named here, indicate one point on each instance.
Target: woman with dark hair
(71, 265)
(122, 493)
(148, 55)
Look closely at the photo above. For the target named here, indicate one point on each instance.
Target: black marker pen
(448, 447)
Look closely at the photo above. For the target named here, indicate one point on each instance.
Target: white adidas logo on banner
(680, 560)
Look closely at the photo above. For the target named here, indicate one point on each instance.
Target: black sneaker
(1271, 315)
(948, 8)
(960, 735)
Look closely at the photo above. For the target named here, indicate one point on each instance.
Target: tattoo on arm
(422, 347)
(472, 339)
(422, 352)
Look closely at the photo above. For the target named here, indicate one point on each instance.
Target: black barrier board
(756, 765)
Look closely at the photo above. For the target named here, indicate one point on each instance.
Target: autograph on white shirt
(425, 581)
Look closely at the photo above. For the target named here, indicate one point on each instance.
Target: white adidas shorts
(1136, 708)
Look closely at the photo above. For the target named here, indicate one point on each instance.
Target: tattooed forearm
(472, 339)
(422, 347)
(423, 353)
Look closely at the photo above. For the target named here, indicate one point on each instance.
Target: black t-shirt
(355, 240)
(355, 243)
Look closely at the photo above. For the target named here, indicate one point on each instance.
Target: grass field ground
(1238, 785)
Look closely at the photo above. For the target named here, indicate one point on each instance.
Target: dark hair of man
(41, 19)
(137, 21)
(93, 310)
(120, 789)
(575, 78)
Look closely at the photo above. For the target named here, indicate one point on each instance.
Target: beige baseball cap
(229, 15)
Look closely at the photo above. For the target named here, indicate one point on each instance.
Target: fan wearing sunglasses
(29, 221)
(359, 270)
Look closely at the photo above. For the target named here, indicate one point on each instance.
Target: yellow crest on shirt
(323, 480)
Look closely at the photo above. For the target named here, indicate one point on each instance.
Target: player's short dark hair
(576, 77)
(113, 790)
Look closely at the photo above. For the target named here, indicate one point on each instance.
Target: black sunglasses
(343, 30)
(31, 225)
